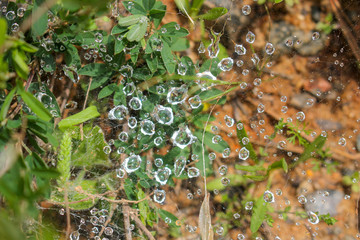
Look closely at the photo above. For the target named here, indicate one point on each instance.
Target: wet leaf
(85, 115)
(258, 215)
(213, 13)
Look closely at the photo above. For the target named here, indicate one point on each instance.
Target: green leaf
(34, 104)
(3, 27)
(168, 58)
(249, 168)
(93, 69)
(171, 30)
(137, 31)
(317, 144)
(107, 91)
(241, 134)
(219, 147)
(235, 180)
(165, 214)
(72, 57)
(180, 44)
(118, 29)
(258, 215)
(86, 114)
(6, 104)
(197, 149)
(39, 27)
(213, 13)
(130, 20)
(148, 4)
(90, 152)
(20, 65)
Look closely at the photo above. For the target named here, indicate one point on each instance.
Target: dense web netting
(254, 134)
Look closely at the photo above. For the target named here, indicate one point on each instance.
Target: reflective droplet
(162, 175)
(156, 44)
(214, 48)
(269, 197)
(225, 181)
(261, 108)
(132, 163)
(182, 68)
(164, 115)
(300, 116)
(179, 166)
(269, 48)
(244, 153)
(147, 127)
(226, 64)
(120, 172)
(342, 142)
(159, 196)
(226, 153)
(74, 235)
(193, 172)
(15, 27)
(21, 12)
(201, 48)
(313, 218)
(129, 89)
(250, 37)
(195, 102)
(158, 162)
(302, 199)
(229, 121)
(240, 49)
(10, 15)
(249, 205)
(177, 95)
(118, 112)
(135, 103)
(223, 169)
(246, 10)
(132, 122)
(182, 137)
(315, 36)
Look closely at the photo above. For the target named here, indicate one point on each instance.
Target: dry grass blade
(206, 230)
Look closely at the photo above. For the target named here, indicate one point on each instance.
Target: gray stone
(329, 125)
(324, 203)
(299, 100)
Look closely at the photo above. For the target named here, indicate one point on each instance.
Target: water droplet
(250, 37)
(226, 153)
(282, 145)
(269, 48)
(261, 108)
(98, 37)
(240, 237)
(108, 231)
(214, 48)
(15, 27)
(107, 149)
(123, 136)
(240, 49)
(342, 142)
(257, 81)
(21, 12)
(249, 205)
(239, 63)
(225, 181)
(177, 95)
(182, 69)
(159, 196)
(158, 162)
(120, 172)
(118, 112)
(195, 102)
(135, 103)
(244, 153)
(315, 36)
(74, 235)
(313, 218)
(193, 172)
(223, 169)
(126, 71)
(62, 212)
(246, 10)
(226, 64)
(162, 175)
(182, 137)
(179, 166)
(201, 48)
(164, 115)
(156, 44)
(147, 127)
(10, 15)
(269, 197)
(283, 98)
(132, 122)
(300, 116)
(129, 89)
(289, 42)
(132, 163)
(302, 199)
(177, 26)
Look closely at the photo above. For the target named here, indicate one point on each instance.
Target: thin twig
(68, 226)
(126, 212)
(142, 226)
(86, 98)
